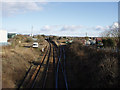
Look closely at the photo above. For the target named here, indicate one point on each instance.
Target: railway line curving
(50, 73)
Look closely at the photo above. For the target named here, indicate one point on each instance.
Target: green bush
(29, 40)
(111, 43)
(43, 35)
(64, 37)
(104, 42)
(86, 38)
(108, 42)
(59, 38)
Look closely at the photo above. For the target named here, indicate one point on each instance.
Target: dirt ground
(15, 63)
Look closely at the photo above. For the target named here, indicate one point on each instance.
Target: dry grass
(91, 68)
(15, 64)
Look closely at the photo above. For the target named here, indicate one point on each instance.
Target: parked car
(35, 45)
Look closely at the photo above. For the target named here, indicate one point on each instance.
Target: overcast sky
(59, 18)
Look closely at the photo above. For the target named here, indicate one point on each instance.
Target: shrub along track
(91, 68)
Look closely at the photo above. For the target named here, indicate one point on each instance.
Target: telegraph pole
(86, 34)
(32, 31)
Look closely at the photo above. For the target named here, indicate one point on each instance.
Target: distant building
(3, 37)
(87, 42)
(31, 35)
(11, 34)
(98, 39)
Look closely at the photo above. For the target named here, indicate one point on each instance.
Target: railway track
(50, 73)
(32, 73)
(61, 79)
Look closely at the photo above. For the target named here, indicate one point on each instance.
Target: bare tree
(112, 32)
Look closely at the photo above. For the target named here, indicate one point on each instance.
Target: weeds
(91, 68)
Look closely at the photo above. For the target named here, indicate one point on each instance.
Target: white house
(3, 36)
(87, 42)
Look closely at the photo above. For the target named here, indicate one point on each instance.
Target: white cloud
(108, 27)
(51, 28)
(115, 25)
(61, 27)
(13, 8)
(68, 30)
(71, 27)
(46, 28)
(74, 30)
(99, 28)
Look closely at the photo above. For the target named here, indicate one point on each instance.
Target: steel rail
(25, 77)
(55, 49)
(43, 59)
(66, 83)
(34, 74)
(63, 69)
(59, 58)
(47, 66)
(54, 66)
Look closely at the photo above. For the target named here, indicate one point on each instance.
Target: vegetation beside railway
(86, 66)
(90, 67)
(17, 58)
